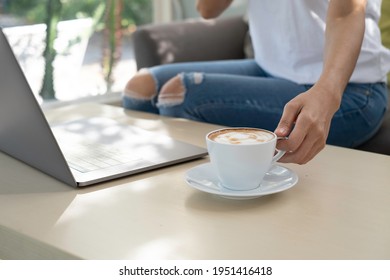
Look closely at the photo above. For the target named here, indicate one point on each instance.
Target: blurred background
(73, 50)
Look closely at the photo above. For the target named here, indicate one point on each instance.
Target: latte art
(241, 136)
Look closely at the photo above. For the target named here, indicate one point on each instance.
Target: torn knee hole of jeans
(141, 87)
(171, 99)
(198, 78)
(176, 96)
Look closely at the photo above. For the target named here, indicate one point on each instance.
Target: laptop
(82, 152)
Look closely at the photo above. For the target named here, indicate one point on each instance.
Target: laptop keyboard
(85, 157)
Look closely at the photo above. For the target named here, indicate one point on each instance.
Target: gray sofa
(225, 38)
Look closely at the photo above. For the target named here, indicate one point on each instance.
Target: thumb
(287, 120)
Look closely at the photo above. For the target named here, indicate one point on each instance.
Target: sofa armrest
(195, 40)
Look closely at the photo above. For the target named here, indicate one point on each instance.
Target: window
(91, 53)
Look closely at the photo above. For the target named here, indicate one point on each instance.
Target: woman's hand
(306, 121)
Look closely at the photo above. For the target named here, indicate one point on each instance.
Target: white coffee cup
(242, 156)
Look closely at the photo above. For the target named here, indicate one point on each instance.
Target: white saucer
(278, 179)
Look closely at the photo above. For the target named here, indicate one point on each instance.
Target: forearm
(212, 8)
(343, 39)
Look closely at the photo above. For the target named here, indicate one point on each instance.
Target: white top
(288, 40)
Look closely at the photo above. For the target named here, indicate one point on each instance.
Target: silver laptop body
(81, 152)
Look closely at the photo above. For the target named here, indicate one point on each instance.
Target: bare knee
(141, 86)
(172, 92)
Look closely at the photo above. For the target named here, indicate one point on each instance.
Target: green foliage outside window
(110, 16)
(135, 12)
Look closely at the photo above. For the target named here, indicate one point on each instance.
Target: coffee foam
(241, 136)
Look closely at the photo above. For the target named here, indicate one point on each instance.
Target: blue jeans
(240, 93)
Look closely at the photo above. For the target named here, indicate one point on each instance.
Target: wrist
(330, 94)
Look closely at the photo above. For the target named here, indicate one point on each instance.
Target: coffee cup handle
(279, 153)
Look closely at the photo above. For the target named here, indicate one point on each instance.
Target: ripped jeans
(240, 93)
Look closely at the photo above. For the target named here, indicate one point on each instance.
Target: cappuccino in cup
(241, 136)
(241, 157)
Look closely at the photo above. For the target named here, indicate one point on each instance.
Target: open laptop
(82, 152)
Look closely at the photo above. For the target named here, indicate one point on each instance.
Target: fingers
(307, 137)
(297, 139)
(287, 127)
(306, 152)
(286, 123)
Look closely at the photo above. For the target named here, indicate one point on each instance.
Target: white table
(340, 208)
